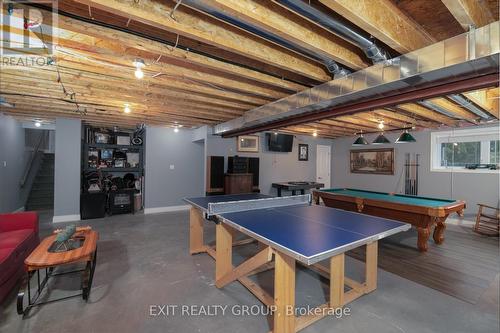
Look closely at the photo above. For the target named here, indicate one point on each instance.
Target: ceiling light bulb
(315, 134)
(139, 63)
(139, 73)
(381, 125)
(38, 124)
(176, 129)
(275, 133)
(127, 109)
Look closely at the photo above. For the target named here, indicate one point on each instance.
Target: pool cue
(416, 174)
(406, 173)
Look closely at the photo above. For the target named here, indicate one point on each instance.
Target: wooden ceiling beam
(486, 99)
(470, 12)
(159, 49)
(426, 113)
(109, 120)
(344, 124)
(121, 96)
(383, 20)
(188, 74)
(394, 114)
(455, 109)
(277, 20)
(100, 74)
(305, 130)
(76, 46)
(47, 101)
(374, 118)
(209, 31)
(354, 119)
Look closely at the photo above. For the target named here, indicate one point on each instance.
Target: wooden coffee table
(42, 259)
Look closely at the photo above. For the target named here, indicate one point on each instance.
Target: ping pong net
(218, 208)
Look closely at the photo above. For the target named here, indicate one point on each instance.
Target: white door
(323, 160)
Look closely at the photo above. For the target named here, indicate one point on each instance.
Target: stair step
(41, 194)
(39, 206)
(41, 201)
(42, 177)
(43, 187)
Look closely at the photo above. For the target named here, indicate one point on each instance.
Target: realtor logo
(28, 28)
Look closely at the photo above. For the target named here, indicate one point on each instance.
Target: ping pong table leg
(284, 294)
(371, 267)
(224, 250)
(196, 231)
(337, 278)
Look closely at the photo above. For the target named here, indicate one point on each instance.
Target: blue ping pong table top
(312, 233)
(202, 202)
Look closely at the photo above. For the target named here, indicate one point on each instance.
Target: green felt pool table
(422, 212)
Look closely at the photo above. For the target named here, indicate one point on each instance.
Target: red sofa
(18, 238)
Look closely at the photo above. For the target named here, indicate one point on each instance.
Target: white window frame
(482, 134)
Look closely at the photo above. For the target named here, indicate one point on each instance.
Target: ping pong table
(290, 230)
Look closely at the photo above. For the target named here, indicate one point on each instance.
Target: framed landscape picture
(248, 143)
(374, 161)
(303, 152)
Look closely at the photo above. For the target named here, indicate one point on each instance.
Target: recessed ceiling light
(127, 109)
(315, 133)
(176, 129)
(38, 124)
(381, 125)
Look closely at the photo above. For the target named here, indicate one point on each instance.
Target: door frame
(328, 181)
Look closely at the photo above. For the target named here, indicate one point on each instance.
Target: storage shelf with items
(112, 170)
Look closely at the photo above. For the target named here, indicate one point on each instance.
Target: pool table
(421, 212)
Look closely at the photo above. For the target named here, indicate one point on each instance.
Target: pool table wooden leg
(423, 237)
(438, 234)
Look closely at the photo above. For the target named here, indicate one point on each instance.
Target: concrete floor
(144, 261)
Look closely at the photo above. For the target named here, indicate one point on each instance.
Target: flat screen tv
(279, 142)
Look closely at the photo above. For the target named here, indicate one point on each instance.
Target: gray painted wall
(67, 167)
(472, 187)
(274, 166)
(165, 187)
(12, 153)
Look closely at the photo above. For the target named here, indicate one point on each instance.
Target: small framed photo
(303, 152)
(248, 143)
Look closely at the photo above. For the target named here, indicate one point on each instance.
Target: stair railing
(29, 165)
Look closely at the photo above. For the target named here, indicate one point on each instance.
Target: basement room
(249, 166)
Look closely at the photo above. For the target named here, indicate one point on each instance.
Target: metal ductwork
(467, 104)
(332, 66)
(352, 35)
(438, 109)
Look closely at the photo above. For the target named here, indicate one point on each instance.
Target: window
(460, 154)
(495, 151)
(454, 150)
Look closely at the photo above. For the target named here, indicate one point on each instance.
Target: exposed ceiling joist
(131, 41)
(470, 12)
(385, 21)
(277, 20)
(207, 30)
(486, 99)
(454, 109)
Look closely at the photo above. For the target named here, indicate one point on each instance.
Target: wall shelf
(114, 169)
(111, 146)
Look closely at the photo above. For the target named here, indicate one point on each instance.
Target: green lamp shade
(380, 140)
(405, 137)
(360, 141)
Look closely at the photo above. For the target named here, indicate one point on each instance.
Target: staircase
(42, 192)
